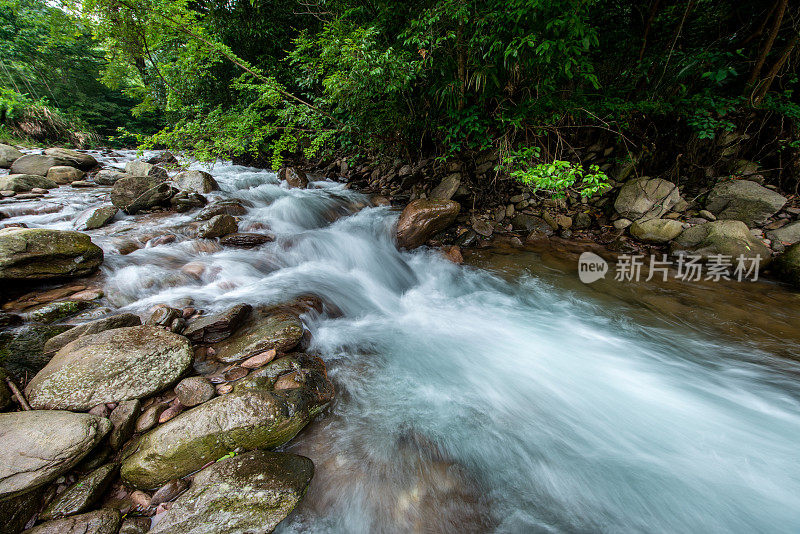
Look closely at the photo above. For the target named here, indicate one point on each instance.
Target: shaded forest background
(686, 87)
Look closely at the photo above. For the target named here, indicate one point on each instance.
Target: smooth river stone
(112, 366)
(279, 331)
(37, 446)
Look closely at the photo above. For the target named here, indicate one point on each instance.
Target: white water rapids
(469, 402)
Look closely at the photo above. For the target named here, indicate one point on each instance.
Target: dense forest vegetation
(675, 81)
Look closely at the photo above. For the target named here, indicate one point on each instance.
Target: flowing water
(502, 396)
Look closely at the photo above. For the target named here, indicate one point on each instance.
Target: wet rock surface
(423, 218)
(39, 254)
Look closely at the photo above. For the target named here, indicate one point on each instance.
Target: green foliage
(557, 177)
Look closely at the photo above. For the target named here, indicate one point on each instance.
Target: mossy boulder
(250, 492)
(94, 218)
(41, 254)
(96, 326)
(744, 200)
(81, 495)
(25, 182)
(22, 348)
(132, 194)
(39, 445)
(218, 226)
(108, 176)
(112, 366)
(105, 521)
(280, 331)
(142, 168)
(787, 265)
(421, 219)
(62, 174)
(251, 418)
(728, 238)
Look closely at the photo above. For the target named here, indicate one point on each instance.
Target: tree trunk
(762, 58)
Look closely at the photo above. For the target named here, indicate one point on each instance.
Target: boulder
(25, 182)
(226, 207)
(105, 521)
(62, 174)
(81, 495)
(22, 348)
(75, 158)
(164, 158)
(250, 492)
(281, 331)
(216, 327)
(39, 445)
(135, 193)
(787, 265)
(447, 187)
(250, 418)
(218, 226)
(183, 201)
(196, 181)
(531, 223)
(787, 235)
(53, 312)
(656, 230)
(94, 218)
(8, 155)
(245, 240)
(294, 177)
(729, 238)
(40, 254)
(55, 343)
(421, 219)
(744, 200)
(37, 164)
(142, 168)
(646, 197)
(112, 366)
(108, 176)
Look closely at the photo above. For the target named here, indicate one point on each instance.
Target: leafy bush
(557, 177)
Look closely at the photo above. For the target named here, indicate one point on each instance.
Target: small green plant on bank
(557, 177)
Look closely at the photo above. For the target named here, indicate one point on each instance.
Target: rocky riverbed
(193, 351)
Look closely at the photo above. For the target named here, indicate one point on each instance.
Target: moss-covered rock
(81, 495)
(744, 200)
(132, 194)
(37, 164)
(729, 238)
(76, 159)
(646, 197)
(96, 326)
(94, 218)
(112, 366)
(196, 181)
(280, 331)
(8, 155)
(248, 493)
(22, 348)
(105, 521)
(62, 174)
(253, 418)
(54, 312)
(39, 445)
(40, 254)
(25, 182)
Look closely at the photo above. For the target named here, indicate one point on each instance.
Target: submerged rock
(75, 158)
(25, 182)
(646, 197)
(196, 181)
(421, 219)
(245, 240)
(112, 366)
(744, 200)
(94, 218)
(81, 495)
(730, 238)
(8, 155)
(250, 492)
(37, 446)
(226, 207)
(39, 254)
(105, 521)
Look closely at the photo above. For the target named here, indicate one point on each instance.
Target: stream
(502, 395)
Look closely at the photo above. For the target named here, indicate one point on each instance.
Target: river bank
(501, 395)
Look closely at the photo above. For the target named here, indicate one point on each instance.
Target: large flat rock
(40, 254)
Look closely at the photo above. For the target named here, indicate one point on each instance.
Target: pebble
(224, 389)
(705, 214)
(150, 417)
(174, 409)
(259, 360)
(140, 498)
(194, 390)
(236, 373)
(88, 294)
